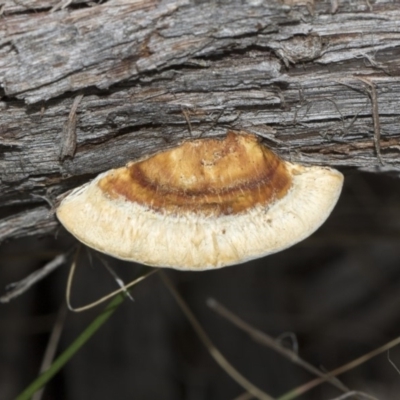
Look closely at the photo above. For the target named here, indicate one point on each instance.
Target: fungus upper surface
(205, 176)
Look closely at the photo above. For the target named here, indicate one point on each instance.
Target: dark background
(338, 292)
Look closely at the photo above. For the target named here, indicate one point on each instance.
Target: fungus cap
(205, 204)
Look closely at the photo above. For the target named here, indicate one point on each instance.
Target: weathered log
(87, 88)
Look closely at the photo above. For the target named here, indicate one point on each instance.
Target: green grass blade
(63, 358)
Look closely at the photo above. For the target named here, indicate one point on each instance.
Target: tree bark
(87, 87)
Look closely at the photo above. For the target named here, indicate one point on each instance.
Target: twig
(372, 94)
(214, 352)
(269, 341)
(52, 346)
(375, 115)
(68, 145)
(187, 118)
(17, 288)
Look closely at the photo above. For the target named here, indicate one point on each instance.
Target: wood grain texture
(146, 68)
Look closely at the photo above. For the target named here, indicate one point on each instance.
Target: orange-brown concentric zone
(204, 176)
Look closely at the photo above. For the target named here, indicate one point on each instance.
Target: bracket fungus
(205, 204)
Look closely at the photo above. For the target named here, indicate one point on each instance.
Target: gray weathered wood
(290, 74)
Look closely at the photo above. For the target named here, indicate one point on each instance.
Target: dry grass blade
(344, 368)
(355, 393)
(104, 298)
(215, 353)
(118, 280)
(392, 363)
(52, 346)
(18, 288)
(270, 342)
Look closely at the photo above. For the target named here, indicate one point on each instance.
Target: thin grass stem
(214, 352)
(338, 371)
